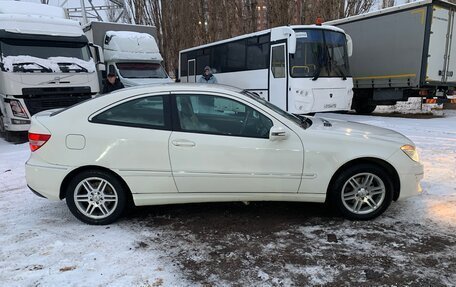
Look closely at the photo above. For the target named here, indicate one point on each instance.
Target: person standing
(207, 77)
(112, 82)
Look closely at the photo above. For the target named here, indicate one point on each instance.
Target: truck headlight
(411, 152)
(17, 109)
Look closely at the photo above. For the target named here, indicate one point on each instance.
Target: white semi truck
(129, 50)
(45, 63)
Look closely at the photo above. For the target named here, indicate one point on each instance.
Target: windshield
(319, 53)
(301, 120)
(44, 49)
(141, 70)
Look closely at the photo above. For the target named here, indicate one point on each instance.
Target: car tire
(362, 192)
(96, 197)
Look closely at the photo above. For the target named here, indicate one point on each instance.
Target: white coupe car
(183, 143)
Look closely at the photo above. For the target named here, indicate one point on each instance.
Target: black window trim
(260, 39)
(176, 121)
(166, 112)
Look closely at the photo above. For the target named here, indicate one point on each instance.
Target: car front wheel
(96, 197)
(362, 192)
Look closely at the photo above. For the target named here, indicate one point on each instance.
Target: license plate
(330, 106)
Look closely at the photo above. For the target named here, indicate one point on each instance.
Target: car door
(221, 144)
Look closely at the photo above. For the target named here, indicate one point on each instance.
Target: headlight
(411, 152)
(17, 109)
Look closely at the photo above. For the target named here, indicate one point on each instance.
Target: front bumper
(410, 174)
(44, 179)
(410, 183)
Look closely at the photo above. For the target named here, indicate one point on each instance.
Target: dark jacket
(107, 87)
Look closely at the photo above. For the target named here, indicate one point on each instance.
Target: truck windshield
(319, 53)
(141, 70)
(44, 49)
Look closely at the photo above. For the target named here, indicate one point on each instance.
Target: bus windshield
(319, 53)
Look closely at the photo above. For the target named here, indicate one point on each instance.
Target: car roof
(119, 95)
(175, 87)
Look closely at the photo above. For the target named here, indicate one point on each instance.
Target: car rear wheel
(96, 197)
(362, 192)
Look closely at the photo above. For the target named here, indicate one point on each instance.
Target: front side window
(319, 53)
(222, 116)
(141, 70)
(148, 112)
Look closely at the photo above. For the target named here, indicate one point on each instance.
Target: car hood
(357, 130)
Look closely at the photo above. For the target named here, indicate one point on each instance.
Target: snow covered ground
(266, 244)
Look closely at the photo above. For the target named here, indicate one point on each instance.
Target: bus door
(191, 75)
(278, 76)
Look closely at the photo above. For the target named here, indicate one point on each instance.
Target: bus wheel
(364, 108)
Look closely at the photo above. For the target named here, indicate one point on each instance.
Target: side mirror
(99, 58)
(277, 134)
(101, 67)
(349, 45)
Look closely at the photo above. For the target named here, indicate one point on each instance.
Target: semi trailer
(401, 52)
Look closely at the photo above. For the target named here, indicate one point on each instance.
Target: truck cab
(45, 63)
(130, 50)
(135, 57)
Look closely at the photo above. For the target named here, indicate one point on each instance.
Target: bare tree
(388, 3)
(356, 7)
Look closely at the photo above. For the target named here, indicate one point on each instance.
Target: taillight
(37, 140)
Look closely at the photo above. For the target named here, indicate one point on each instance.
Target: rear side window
(148, 112)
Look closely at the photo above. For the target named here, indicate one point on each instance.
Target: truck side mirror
(99, 59)
(349, 45)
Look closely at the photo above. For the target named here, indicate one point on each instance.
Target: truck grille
(36, 105)
(40, 99)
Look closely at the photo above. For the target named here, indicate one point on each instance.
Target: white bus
(301, 69)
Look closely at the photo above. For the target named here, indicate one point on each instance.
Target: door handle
(279, 134)
(184, 143)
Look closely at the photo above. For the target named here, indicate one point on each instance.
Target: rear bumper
(45, 180)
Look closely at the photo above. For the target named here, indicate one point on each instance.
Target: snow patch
(51, 63)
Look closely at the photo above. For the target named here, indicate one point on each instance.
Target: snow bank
(50, 63)
(412, 106)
